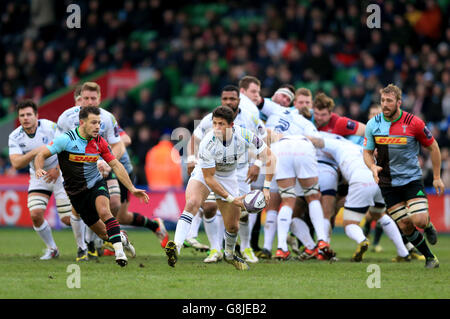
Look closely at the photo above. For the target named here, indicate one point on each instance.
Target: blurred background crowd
(195, 49)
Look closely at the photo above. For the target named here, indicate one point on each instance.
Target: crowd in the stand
(324, 45)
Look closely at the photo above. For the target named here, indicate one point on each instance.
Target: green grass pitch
(148, 276)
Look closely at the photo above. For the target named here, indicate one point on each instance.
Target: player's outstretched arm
(39, 161)
(123, 177)
(435, 153)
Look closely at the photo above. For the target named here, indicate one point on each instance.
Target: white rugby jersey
(348, 155)
(287, 121)
(109, 128)
(20, 143)
(225, 158)
(243, 119)
(246, 104)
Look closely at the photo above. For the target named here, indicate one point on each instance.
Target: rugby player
(24, 143)
(397, 135)
(220, 151)
(364, 194)
(78, 151)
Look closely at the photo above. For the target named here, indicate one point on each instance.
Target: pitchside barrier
(167, 205)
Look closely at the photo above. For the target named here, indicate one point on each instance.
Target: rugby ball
(254, 202)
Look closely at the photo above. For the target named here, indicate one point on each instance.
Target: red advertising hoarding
(167, 205)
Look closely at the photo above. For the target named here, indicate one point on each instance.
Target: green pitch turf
(148, 276)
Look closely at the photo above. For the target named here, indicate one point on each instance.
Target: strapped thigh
(398, 213)
(37, 202)
(287, 192)
(417, 206)
(64, 207)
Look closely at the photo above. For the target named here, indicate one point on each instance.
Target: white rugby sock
(301, 230)
(195, 225)
(270, 229)
(212, 231)
(78, 228)
(316, 216)
(327, 229)
(355, 232)
(90, 235)
(252, 221)
(244, 234)
(45, 232)
(283, 225)
(182, 230)
(393, 233)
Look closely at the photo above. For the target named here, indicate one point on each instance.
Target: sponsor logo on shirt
(83, 158)
(390, 140)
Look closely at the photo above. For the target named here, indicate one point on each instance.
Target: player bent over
(219, 154)
(364, 194)
(78, 151)
(397, 136)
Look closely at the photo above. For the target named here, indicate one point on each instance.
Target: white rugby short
(241, 174)
(57, 188)
(229, 183)
(364, 191)
(296, 158)
(328, 178)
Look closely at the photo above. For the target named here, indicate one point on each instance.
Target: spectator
(163, 166)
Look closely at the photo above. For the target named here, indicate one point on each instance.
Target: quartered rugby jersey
(343, 126)
(78, 159)
(398, 144)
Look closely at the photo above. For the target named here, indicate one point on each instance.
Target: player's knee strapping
(287, 192)
(114, 190)
(398, 213)
(37, 202)
(314, 189)
(355, 215)
(420, 206)
(64, 207)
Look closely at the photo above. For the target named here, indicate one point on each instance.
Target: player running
(220, 152)
(396, 135)
(24, 143)
(78, 151)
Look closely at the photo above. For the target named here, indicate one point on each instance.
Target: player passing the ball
(219, 153)
(78, 151)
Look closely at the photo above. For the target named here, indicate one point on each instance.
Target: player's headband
(286, 92)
